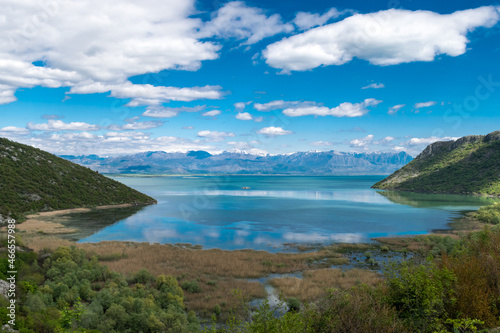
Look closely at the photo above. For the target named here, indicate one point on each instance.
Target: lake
(215, 212)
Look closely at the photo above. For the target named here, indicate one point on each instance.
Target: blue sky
(119, 77)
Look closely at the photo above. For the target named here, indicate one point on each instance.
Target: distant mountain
(202, 162)
(469, 165)
(33, 180)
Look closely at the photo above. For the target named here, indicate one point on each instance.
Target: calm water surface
(216, 212)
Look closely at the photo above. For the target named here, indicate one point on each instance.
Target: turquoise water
(216, 212)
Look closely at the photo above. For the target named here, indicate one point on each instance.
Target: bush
(360, 309)
(191, 286)
(421, 293)
(489, 214)
(293, 304)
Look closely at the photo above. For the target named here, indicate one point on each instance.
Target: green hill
(469, 165)
(33, 180)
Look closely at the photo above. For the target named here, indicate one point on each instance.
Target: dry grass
(219, 292)
(34, 225)
(173, 260)
(217, 272)
(314, 283)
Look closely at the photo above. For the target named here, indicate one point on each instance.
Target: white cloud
(111, 144)
(386, 37)
(345, 109)
(362, 142)
(385, 141)
(12, 130)
(321, 143)
(188, 127)
(429, 140)
(212, 113)
(168, 112)
(374, 86)
(240, 106)
(273, 105)
(424, 104)
(259, 119)
(7, 94)
(237, 21)
(142, 125)
(100, 43)
(132, 134)
(304, 20)
(214, 136)
(398, 148)
(244, 116)
(146, 94)
(59, 125)
(395, 108)
(273, 131)
(248, 147)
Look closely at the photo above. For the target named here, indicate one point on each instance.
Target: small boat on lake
(245, 188)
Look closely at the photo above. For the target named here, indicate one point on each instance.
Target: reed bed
(314, 283)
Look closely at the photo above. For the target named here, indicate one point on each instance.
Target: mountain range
(202, 162)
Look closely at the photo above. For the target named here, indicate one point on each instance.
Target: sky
(266, 77)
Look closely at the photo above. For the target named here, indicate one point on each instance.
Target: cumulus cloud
(429, 140)
(247, 147)
(321, 143)
(142, 125)
(59, 125)
(212, 113)
(345, 109)
(146, 94)
(387, 37)
(100, 44)
(235, 20)
(394, 109)
(305, 20)
(385, 141)
(374, 86)
(398, 149)
(244, 116)
(111, 143)
(361, 142)
(168, 112)
(12, 130)
(273, 105)
(424, 104)
(215, 136)
(273, 131)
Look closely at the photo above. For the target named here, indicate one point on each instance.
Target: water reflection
(444, 201)
(275, 211)
(367, 196)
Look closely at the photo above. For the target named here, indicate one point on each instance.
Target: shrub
(191, 286)
(360, 309)
(421, 293)
(293, 304)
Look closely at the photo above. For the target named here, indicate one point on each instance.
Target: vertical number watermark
(11, 273)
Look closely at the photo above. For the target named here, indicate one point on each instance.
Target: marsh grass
(216, 272)
(314, 283)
